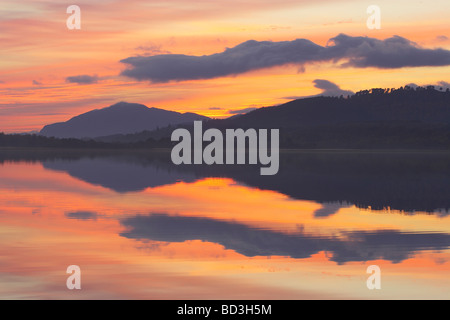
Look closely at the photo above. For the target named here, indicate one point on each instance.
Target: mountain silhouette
(403, 105)
(120, 118)
(404, 118)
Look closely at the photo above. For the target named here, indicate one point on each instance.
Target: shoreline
(132, 150)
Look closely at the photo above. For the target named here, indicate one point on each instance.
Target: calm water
(141, 228)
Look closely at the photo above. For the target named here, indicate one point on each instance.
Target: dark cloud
(250, 55)
(394, 52)
(358, 52)
(241, 111)
(330, 89)
(392, 245)
(83, 79)
(441, 38)
(82, 215)
(329, 209)
(215, 108)
(37, 83)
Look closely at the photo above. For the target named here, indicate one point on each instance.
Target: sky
(212, 57)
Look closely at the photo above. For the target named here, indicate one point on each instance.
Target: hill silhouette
(424, 105)
(404, 118)
(120, 118)
(377, 118)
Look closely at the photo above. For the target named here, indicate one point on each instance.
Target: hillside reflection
(402, 181)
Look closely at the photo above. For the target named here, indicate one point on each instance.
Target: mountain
(424, 105)
(120, 118)
(404, 118)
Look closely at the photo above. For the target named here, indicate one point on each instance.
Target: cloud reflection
(392, 245)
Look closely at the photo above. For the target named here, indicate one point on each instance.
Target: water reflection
(121, 174)
(390, 245)
(402, 181)
(199, 231)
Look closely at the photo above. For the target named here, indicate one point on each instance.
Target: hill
(120, 118)
(404, 118)
(425, 105)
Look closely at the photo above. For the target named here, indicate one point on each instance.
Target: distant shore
(161, 150)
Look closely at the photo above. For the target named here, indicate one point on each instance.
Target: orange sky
(38, 52)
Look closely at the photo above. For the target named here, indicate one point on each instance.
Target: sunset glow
(39, 53)
(98, 243)
(224, 150)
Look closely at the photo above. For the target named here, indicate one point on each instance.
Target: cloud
(412, 85)
(394, 52)
(82, 215)
(83, 79)
(329, 209)
(442, 38)
(328, 88)
(152, 49)
(357, 52)
(443, 84)
(241, 111)
(250, 55)
(37, 83)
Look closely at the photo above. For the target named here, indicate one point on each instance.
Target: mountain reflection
(404, 181)
(121, 174)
